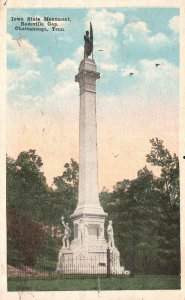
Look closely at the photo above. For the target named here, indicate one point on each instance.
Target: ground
(138, 282)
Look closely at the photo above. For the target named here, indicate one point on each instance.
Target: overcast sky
(43, 98)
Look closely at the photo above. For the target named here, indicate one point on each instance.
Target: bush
(25, 237)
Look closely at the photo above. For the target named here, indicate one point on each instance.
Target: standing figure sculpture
(88, 47)
(110, 235)
(83, 231)
(67, 233)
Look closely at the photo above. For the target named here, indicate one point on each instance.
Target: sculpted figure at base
(110, 235)
(67, 233)
(83, 231)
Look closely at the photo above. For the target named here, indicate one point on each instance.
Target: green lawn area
(93, 283)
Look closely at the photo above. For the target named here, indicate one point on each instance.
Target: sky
(43, 98)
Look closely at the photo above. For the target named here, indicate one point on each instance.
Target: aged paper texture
(138, 49)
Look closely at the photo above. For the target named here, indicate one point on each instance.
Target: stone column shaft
(88, 198)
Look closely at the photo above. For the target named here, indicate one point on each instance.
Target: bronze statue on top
(88, 46)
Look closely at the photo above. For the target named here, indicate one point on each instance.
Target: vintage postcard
(92, 139)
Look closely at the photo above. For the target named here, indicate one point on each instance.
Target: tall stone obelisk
(88, 199)
(89, 217)
(88, 196)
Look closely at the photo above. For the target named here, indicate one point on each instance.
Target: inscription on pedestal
(94, 229)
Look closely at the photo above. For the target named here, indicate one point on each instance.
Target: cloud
(22, 50)
(165, 72)
(68, 68)
(67, 65)
(131, 30)
(25, 55)
(28, 73)
(65, 91)
(65, 38)
(150, 86)
(104, 22)
(109, 47)
(174, 24)
(158, 39)
(138, 32)
(151, 89)
(109, 67)
(18, 79)
(78, 54)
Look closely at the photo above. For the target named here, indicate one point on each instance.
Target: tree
(71, 174)
(13, 184)
(63, 199)
(145, 214)
(169, 229)
(26, 184)
(105, 198)
(26, 194)
(135, 220)
(161, 157)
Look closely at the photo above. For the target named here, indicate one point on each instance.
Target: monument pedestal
(88, 250)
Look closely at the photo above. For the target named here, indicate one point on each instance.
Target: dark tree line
(32, 205)
(145, 211)
(146, 215)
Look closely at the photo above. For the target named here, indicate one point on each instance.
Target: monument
(88, 249)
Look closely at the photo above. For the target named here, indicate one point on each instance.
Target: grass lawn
(93, 283)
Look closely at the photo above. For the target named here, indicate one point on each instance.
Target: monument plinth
(88, 249)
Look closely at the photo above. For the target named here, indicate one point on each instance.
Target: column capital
(87, 80)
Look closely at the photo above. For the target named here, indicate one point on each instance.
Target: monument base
(89, 261)
(88, 250)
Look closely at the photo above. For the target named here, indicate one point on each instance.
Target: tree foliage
(26, 184)
(63, 198)
(161, 157)
(145, 211)
(146, 215)
(26, 197)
